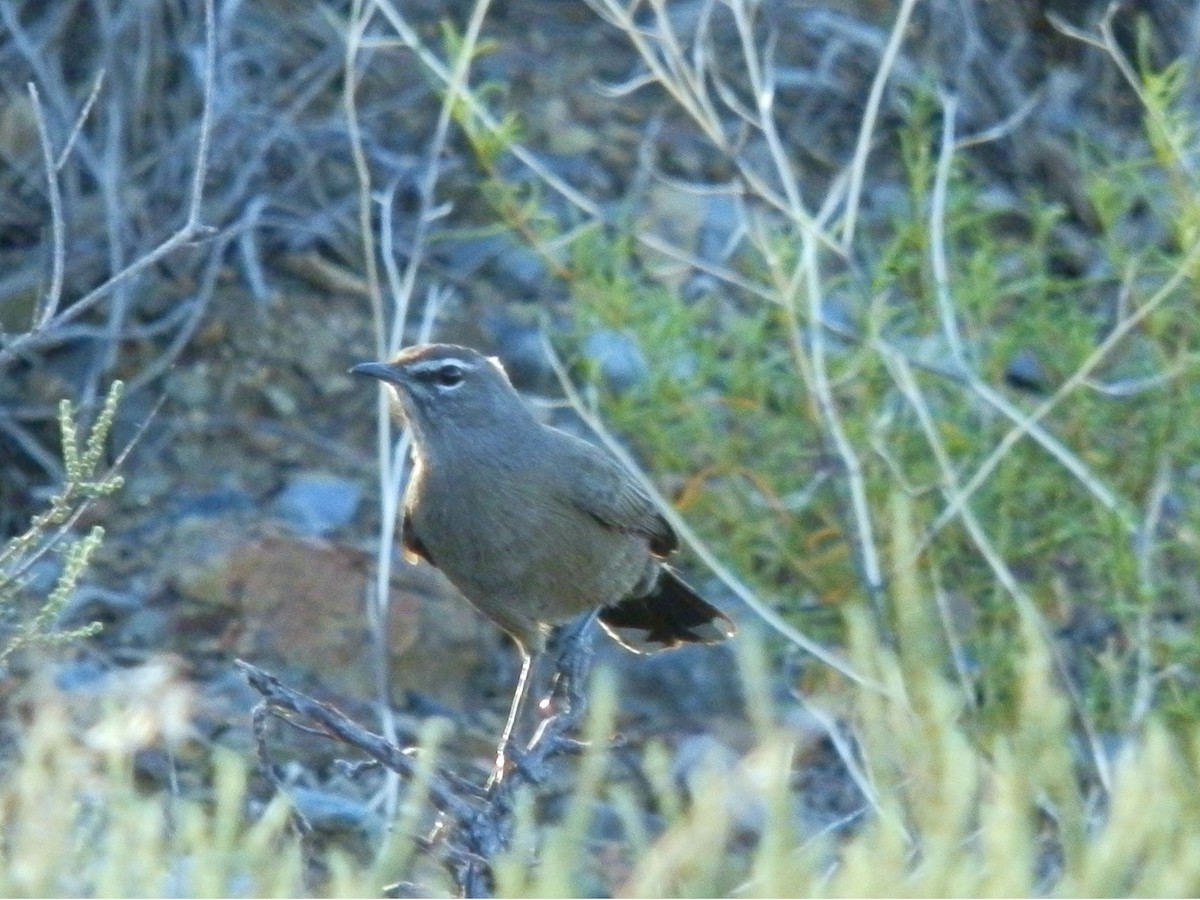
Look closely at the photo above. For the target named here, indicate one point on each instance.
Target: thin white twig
(852, 467)
(1026, 608)
(200, 173)
(378, 596)
(115, 217)
(762, 83)
(846, 752)
(1002, 128)
(389, 333)
(806, 273)
(58, 228)
(1145, 545)
(359, 19)
(69, 144)
(1024, 424)
(866, 129)
(958, 653)
(456, 88)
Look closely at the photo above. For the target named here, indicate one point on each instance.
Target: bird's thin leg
(573, 662)
(514, 713)
(570, 682)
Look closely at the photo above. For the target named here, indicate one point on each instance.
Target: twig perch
(476, 825)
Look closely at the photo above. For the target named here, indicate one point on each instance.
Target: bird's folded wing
(601, 487)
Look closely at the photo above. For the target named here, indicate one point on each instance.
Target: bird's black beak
(379, 370)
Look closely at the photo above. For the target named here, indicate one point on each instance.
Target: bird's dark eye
(449, 375)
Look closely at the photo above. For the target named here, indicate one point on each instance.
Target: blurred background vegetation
(893, 304)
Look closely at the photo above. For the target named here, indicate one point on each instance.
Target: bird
(532, 525)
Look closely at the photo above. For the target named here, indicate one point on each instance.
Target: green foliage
(1172, 132)
(47, 533)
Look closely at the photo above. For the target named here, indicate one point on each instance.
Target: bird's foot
(500, 767)
(511, 761)
(552, 704)
(571, 670)
(555, 728)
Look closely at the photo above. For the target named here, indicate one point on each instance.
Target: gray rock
(80, 675)
(467, 255)
(318, 502)
(41, 577)
(515, 266)
(330, 812)
(91, 602)
(145, 628)
(523, 269)
(1025, 371)
(190, 386)
(722, 222)
(618, 358)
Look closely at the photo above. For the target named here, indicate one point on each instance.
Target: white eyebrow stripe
(432, 365)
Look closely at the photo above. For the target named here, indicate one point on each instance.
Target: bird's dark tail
(670, 615)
